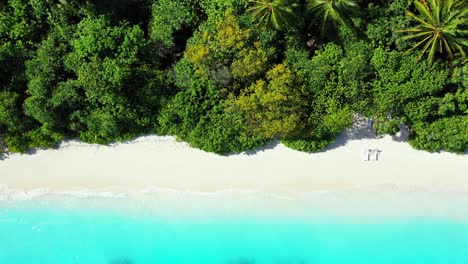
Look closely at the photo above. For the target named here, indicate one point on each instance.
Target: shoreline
(348, 205)
(159, 171)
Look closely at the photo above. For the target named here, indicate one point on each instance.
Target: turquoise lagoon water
(77, 232)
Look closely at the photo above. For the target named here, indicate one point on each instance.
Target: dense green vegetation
(230, 75)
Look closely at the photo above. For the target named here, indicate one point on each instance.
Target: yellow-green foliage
(274, 107)
(337, 116)
(197, 53)
(222, 42)
(250, 62)
(229, 34)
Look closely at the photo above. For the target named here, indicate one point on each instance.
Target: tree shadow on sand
(403, 134)
(251, 152)
(271, 145)
(358, 131)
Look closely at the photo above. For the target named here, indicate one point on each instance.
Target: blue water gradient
(49, 235)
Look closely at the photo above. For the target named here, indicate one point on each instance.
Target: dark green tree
(105, 61)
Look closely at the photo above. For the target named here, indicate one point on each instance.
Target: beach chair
(366, 154)
(375, 154)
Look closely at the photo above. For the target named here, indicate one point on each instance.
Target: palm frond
(337, 11)
(272, 13)
(442, 28)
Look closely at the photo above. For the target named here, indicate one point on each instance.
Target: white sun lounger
(375, 154)
(366, 154)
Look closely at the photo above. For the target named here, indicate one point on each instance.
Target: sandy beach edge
(162, 162)
(402, 178)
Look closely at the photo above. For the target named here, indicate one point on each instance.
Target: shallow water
(110, 231)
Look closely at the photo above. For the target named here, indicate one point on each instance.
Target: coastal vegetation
(230, 75)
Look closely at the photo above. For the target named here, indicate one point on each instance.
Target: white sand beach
(163, 163)
(338, 179)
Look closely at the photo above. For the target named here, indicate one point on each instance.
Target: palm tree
(273, 13)
(336, 11)
(442, 26)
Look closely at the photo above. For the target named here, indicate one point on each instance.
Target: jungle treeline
(231, 75)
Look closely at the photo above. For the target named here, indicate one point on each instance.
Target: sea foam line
(8, 194)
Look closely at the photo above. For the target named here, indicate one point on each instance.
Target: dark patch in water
(252, 261)
(300, 261)
(243, 261)
(121, 260)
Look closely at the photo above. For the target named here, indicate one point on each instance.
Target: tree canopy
(230, 75)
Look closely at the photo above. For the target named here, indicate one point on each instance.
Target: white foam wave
(11, 194)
